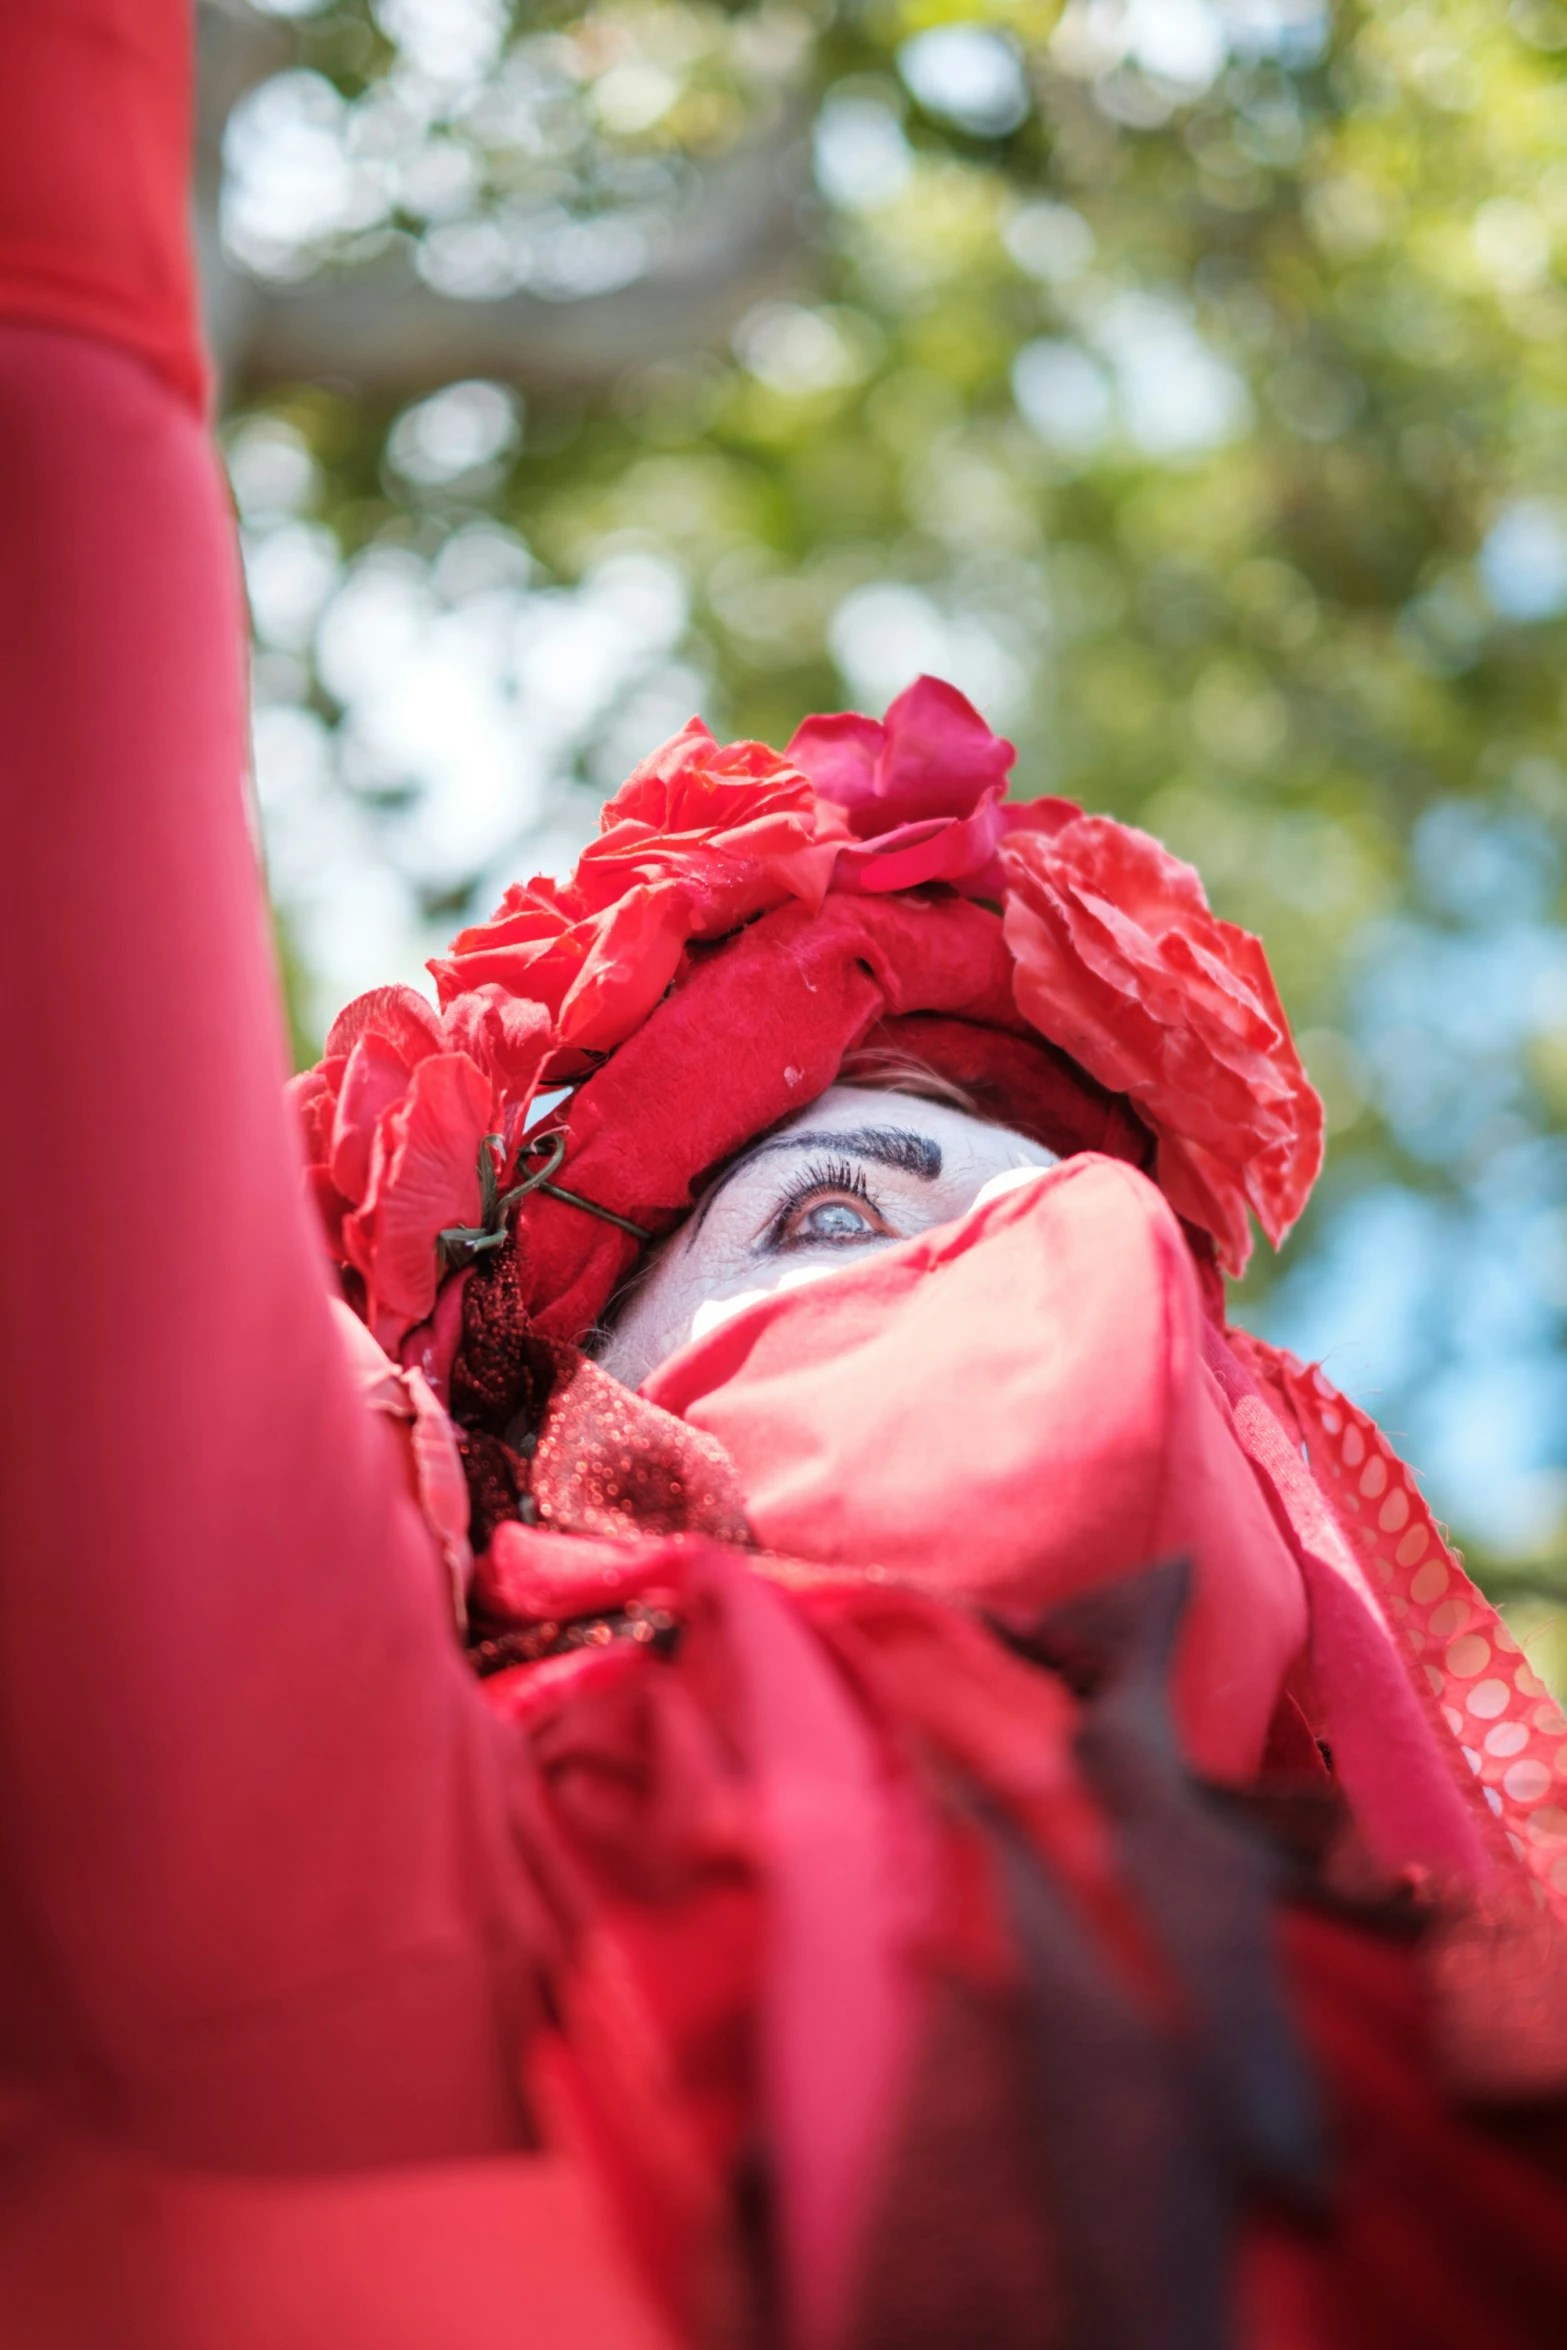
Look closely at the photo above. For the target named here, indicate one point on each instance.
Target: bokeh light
(1185, 379)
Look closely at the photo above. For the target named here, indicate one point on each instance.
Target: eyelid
(817, 1176)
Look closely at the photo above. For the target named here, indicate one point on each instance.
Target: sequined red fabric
(608, 1462)
(1505, 1732)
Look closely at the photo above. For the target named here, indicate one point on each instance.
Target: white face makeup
(857, 1171)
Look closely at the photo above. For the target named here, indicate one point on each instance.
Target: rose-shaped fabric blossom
(395, 1116)
(700, 838)
(1121, 964)
(920, 790)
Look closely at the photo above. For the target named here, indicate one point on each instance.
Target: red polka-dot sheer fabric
(1508, 1730)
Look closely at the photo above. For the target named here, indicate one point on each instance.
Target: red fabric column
(95, 133)
(258, 1887)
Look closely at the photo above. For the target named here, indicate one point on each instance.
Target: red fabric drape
(1012, 1410)
(183, 1454)
(259, 1908)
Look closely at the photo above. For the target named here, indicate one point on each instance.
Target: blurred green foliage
(1201, 410)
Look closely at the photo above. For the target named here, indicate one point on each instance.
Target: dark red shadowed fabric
(1446, 2228)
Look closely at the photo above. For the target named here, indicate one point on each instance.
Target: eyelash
(822, 1175)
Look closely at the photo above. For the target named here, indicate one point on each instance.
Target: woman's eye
(836, 1218)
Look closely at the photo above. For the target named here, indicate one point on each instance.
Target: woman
(568, 1774)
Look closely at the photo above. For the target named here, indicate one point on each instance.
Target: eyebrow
(889, 1146)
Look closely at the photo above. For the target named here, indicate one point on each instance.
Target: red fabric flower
(700, 838)
(1121, 964)
(394, 1118)
(920, 789)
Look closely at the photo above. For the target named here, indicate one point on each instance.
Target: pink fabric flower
(394, 1117)
(1121, 964)
(701, 838)
(920, 790)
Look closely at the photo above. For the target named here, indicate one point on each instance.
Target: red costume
(806, 1925)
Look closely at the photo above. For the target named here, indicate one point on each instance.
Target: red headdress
(742, 923)
(763, 917)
